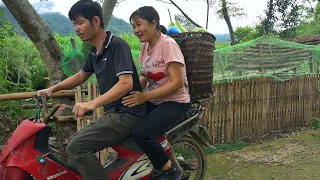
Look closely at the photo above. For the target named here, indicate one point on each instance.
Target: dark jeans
(160, 119)
(111, 129)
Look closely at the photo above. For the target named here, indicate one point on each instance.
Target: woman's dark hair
(87, 9)
(163, 29)
(147, 13)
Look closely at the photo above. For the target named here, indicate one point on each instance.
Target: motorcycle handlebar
(63, 106)
(47, 116)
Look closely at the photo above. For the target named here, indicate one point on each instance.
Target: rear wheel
(191, 158)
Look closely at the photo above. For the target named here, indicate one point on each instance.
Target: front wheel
(191, 158)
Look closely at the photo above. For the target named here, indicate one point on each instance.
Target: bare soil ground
(296, 156)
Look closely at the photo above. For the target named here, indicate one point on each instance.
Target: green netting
(74, 59)
(265, 56)
(277, 77)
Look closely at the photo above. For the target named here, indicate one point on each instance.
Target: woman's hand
(136, 98)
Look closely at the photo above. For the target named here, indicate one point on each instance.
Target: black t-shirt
(113, 60)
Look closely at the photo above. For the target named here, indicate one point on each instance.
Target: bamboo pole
(90, 99)
(214, 115)
(255, 110)
(26, 95)
(211, 117)
(71, 118)
(100, 109)
(251, 102)
(247, 106)
(261, 56)
(219, 111)
(237, 109)
(24, 106)
(296, 103)
(229, 112)
(309, 99)
(244, 108)
(268, 95)
(95, 95)
(89, 91)
(78, 100)
(259, 110)
(281, 107)
(66, 119)
(292, 105)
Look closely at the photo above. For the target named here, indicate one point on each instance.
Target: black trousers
(160, 119)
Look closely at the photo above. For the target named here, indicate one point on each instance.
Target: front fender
(201, 135)
(24, 131)
(13, 173)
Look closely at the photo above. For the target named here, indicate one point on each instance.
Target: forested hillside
(60, 24)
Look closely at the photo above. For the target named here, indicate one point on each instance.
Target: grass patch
(225, 147)
(311, 137)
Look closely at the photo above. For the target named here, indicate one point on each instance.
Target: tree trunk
(228, 21)
(316, 24)
(207, 20)
(108, 7)
(40, 34)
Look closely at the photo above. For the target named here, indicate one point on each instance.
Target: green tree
(247, 33)
(6, 30)
(228, 9)
(310, 24)
(269, 21)
(282, 17)
(311, 13)
(290, 12)
(24, 67)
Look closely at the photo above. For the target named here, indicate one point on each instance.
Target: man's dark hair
(147, 13)
(87, 9)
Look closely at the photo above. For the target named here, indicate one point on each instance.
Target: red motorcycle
(27, 156)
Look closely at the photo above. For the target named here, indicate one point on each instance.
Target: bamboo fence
(248, 108)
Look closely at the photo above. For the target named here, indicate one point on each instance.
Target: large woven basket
(197, 49)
